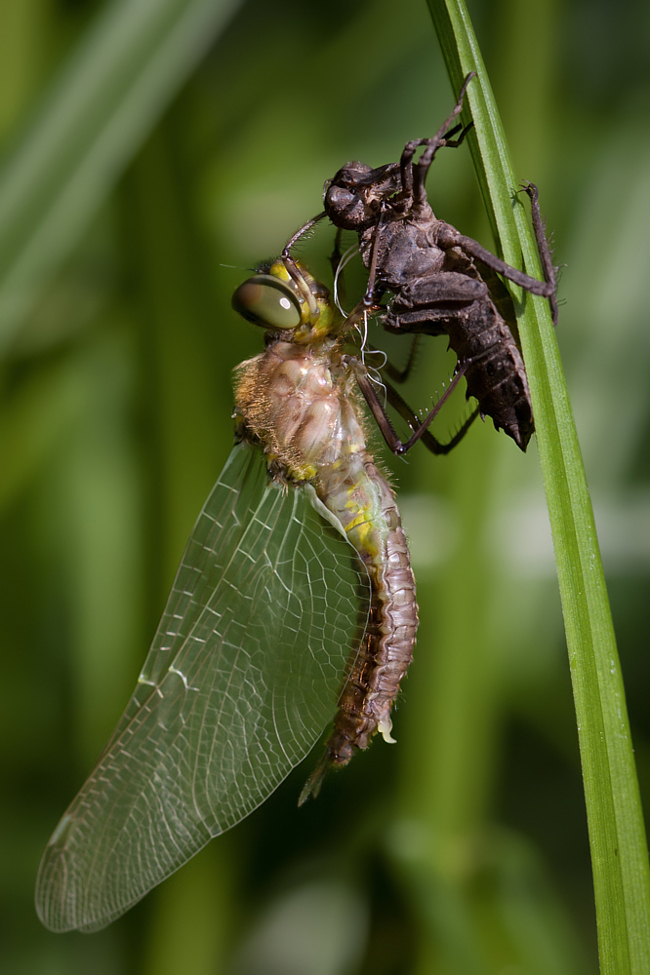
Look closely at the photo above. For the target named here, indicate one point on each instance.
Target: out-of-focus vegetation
(198, 142)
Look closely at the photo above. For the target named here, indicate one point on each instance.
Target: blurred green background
(153, 151)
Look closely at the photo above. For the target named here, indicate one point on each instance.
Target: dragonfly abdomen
(361, 499)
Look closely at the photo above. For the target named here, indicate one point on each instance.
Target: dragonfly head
(279, 301)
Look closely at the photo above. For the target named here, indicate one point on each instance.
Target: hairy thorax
(301, 406)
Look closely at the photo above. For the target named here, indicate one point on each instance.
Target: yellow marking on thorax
(359, 520)
(362, 524)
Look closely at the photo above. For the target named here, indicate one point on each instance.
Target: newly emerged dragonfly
(294, 604)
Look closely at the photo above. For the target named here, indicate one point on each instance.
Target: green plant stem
(615, 819)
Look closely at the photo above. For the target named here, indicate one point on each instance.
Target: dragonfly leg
(542, 244)
(432, 443)
(413, 188)
(369, 302)
(306, 227)
(419, 427)
(449, 237)
(414, 176)
(292, 267)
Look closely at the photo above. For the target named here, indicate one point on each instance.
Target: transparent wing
(243, 676)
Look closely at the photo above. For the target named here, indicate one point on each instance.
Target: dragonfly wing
(245, 671)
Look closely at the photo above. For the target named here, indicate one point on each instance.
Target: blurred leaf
(503, 916)
(128, 66)
(195, 917)
(22, 35)
(32, 423)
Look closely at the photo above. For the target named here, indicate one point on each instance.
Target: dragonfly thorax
(297, 402)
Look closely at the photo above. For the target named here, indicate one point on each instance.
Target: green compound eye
(265, 301)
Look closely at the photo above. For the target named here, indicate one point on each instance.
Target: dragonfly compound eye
(266, 301)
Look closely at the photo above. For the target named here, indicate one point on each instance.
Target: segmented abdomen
(497, 376)
(359, 496)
